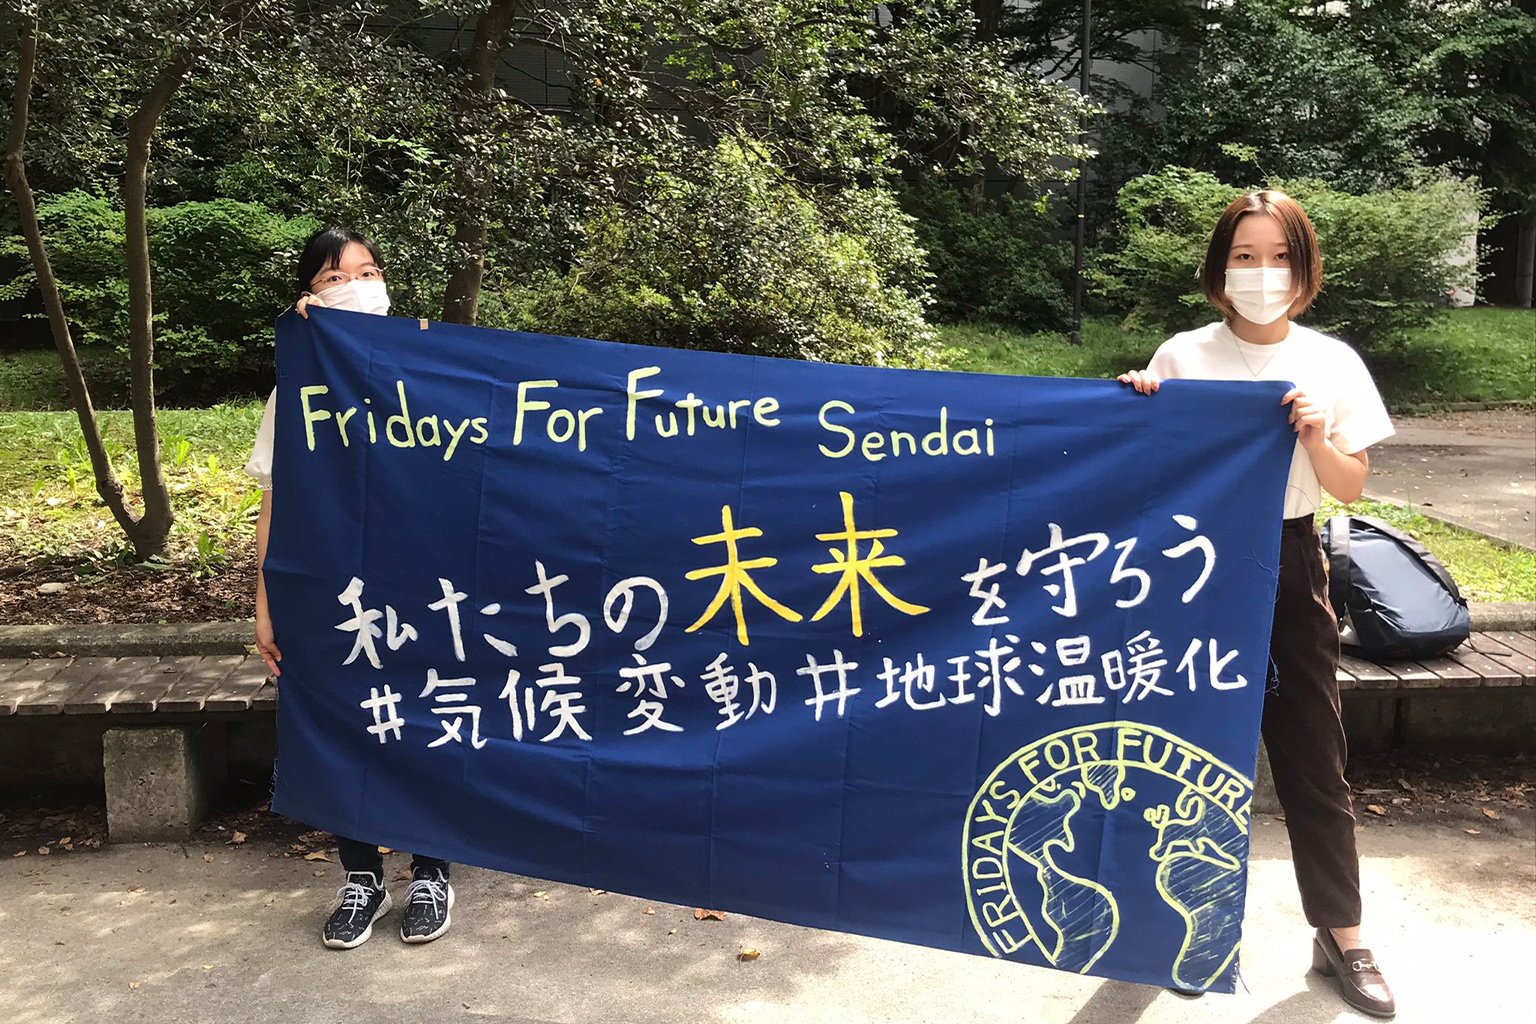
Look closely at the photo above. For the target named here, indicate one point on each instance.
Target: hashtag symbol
(379, 705)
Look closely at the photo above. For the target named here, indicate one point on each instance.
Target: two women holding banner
(1262, 267)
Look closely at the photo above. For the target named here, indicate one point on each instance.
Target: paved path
(1453, 918)
(1476, 469)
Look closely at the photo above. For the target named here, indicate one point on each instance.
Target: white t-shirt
(260, 463)
(1329, 371)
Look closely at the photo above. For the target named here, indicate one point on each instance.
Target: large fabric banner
(969, 661)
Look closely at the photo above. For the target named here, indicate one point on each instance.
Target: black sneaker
(428, 908)
(363, 901)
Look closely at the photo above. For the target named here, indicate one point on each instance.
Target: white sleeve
(1359, 417)
(260, 463)
(1162, 364)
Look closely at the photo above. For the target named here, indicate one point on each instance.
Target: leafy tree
(106, 76)
(1276, 76)
(999, 259)
(1388, 255)
(1359, 95)
(738, 258)
(1476, 64)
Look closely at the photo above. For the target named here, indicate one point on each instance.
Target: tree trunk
(989, 18)
(462, 301)
(152, 529)
(1525, 257)
(107, 485)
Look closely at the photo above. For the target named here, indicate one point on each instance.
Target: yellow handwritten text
(875, 445)
(401, 430)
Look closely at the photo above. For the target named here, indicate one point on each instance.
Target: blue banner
(969, 661)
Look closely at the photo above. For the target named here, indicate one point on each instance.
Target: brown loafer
(1360, 980)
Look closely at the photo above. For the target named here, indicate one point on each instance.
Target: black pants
(358, 856)
(1305, 735)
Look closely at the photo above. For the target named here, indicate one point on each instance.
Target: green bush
(1388, 257)
(993, 260)
(735, 257)
(222, 272)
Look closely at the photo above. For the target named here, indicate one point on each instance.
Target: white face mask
(357, 296)
(1261, 294)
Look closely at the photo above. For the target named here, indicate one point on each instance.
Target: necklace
(1253, 373)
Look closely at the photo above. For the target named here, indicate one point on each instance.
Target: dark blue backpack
(1394, 600)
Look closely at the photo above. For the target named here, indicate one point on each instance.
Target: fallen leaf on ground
(1376, 809)
(648, 910)
(19, 853)
(540, 895)
(319, 872)
(208, 858)
(66, 840)
(700, 914)
(598, 892)
(43, 851)
(748, 954)
(1473, 831)
(237, 838)
(385, 850)
(1489, 812)
(137, 888)
(1405, 784)
(317, 855)
(135, 985)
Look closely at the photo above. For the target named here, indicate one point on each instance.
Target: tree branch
(461, 301)
(154, 526)
(107, 485)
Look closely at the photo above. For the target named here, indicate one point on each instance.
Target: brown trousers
(1305, 735)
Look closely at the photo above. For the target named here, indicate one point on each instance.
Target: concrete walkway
(1474, 469)
(163, 934)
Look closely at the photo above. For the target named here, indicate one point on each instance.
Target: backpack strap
(1428, 560)
(1339, 567)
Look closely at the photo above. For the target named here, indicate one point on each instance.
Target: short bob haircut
(1305, 261)
(323, 250)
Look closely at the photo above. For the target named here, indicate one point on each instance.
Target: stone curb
(1492, 618)
(120, 640)
(212, 638)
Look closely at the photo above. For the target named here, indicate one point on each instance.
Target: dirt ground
(118, 592)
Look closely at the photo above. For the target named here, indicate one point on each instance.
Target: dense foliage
(222, 270)
(1389, 256)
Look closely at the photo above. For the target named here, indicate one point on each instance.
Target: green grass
(1484, 571)
(1106, 350)
(49, 508)
(33, 380)
(1467, 355)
